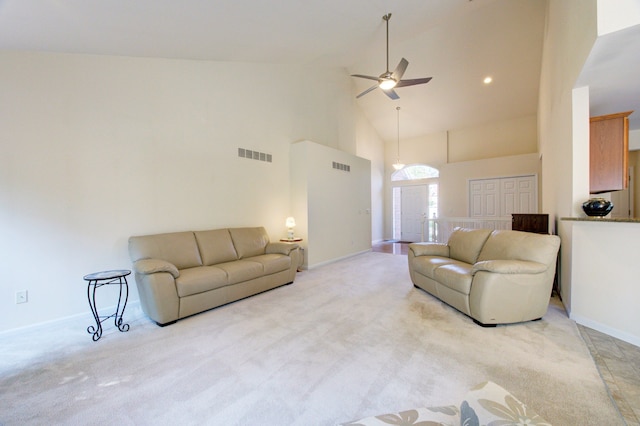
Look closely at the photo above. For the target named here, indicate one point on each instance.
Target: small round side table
(97, 280)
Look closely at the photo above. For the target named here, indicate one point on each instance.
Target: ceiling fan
(390, 80)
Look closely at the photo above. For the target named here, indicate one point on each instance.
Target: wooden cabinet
(609, 152)
(532, 222)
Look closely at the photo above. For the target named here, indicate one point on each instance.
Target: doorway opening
(415, 199)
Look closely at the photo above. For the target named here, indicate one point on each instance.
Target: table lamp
(290, 224)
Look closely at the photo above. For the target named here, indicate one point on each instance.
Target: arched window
(417, 171)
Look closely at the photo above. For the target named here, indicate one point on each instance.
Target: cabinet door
(608, 152)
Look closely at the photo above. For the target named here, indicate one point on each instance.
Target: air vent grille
(254, 155)
(340, 166)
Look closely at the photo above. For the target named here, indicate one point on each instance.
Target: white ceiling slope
(457, 42)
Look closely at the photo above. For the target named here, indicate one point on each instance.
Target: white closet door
(484, 197)
(500, 197)
(518, 195)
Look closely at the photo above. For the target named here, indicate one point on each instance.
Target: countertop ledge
(603, 219)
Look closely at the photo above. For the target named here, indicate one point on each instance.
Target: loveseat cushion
(272, 263)
(215, 246)
(518, 245)
(200, 279)
(465, 244)
(457, 276)
(426, 265)
(178, 248)
(249, 242)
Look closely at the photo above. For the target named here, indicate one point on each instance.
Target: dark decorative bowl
(597, 207)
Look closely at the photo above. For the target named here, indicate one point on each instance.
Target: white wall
(569, 35)
(615, 15)
(334, 206)
(634, 140)
(369, 145)
(504, 138)
(95, 149)
(605, 276)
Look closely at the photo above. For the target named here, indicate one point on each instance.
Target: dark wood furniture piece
(608, 152)
(530, 222)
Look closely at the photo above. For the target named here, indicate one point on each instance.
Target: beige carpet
(347, 340)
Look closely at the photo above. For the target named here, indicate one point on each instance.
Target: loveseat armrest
(281, 248)
(509, 267)
(151, 266)
(429, 249)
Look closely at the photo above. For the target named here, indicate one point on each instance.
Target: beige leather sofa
(184, 273)
(495, 277)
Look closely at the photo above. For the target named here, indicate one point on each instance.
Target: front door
(414, 208)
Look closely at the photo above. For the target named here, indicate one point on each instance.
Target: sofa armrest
(509, 267)
(429, 249)
(281, 248)
(151, 266)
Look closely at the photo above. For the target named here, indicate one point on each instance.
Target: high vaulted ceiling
(457, 42)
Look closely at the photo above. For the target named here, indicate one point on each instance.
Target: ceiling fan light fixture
(387, 84)
(388, 80)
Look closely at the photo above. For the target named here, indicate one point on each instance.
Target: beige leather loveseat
(495, 277)
(184, 273)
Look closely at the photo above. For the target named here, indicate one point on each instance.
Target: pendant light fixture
(398, 165)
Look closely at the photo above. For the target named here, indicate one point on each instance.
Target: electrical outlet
(21, 296)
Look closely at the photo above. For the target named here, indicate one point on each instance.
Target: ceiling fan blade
(367, 91)
(413, 82)
(400, 69)
(368, 77)
(392, 94)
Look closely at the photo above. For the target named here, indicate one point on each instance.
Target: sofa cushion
(457, 276)
(178, 248)
(518, 245)
(241, 270)
(215, 246)
(426, 265)
(465, 244)
(200, 279)
(249, 242)
(272, 263)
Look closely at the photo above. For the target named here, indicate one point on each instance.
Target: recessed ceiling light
(487, 80)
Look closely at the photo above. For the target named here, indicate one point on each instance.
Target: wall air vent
(254, 155)
(340, 166)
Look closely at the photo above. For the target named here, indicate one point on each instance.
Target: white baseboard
(316, 265)
(602, 328)
(133, 311)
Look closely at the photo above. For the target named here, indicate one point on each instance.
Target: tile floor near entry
(618, 362)
(619, 365)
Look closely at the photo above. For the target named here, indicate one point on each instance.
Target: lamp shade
(290, 223)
